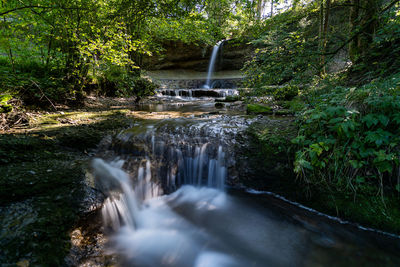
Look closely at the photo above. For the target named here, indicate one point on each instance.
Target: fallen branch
(43, 94)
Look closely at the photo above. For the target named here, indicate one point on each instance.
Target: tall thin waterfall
(212, 64)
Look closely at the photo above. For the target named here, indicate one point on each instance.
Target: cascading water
(211, 66)
(166, 204)
(149, 228)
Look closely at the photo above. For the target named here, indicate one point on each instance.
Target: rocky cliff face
(178, 55)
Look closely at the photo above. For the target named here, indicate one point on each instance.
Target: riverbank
(43, 164)
(333, 157)
(274, 172)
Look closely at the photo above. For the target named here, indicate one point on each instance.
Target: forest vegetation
(334, 64)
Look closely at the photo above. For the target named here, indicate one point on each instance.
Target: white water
(211, 66)
(194, 226)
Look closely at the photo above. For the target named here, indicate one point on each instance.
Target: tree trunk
(272, 8)
(363, 15)
(259, 9)
(321, 30)
(370, 22)
(354, 22)
(325, 33)
(49, 47)
(10, 54)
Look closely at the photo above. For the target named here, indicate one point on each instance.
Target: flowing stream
(167, 203)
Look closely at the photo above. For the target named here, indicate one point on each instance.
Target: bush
(138, 87)
(351, 139)
(37, 84)
(118, 81)
(287, 92)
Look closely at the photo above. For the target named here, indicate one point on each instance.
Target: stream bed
(172, 197)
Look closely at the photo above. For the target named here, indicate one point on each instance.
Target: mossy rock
(258, 109)
(229, 98)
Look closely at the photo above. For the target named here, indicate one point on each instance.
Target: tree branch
(40, 7)
(389, 6)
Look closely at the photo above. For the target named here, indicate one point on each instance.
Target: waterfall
(165, 204)
(212, 64)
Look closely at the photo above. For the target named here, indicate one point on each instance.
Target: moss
(41, 187)
(229, 98)
(41, 202)
(258, 109)
(49, 121)
(266, 164)
(366, 210)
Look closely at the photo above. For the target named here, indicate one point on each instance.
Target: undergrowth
(46, 86)
(350, 139)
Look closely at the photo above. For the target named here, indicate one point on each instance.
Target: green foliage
(118, 81)
(191, 29)
(287, 92)
(351, 139)
(55, 52)
(139, 87)
(295, 105)
(289, 46)
(35, 83)
(258, 109)
(286, 51)
(4, 107)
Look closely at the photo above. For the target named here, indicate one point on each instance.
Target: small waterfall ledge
(198, 83)
(197, 93)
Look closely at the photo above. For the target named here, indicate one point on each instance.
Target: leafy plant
(351, 139)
